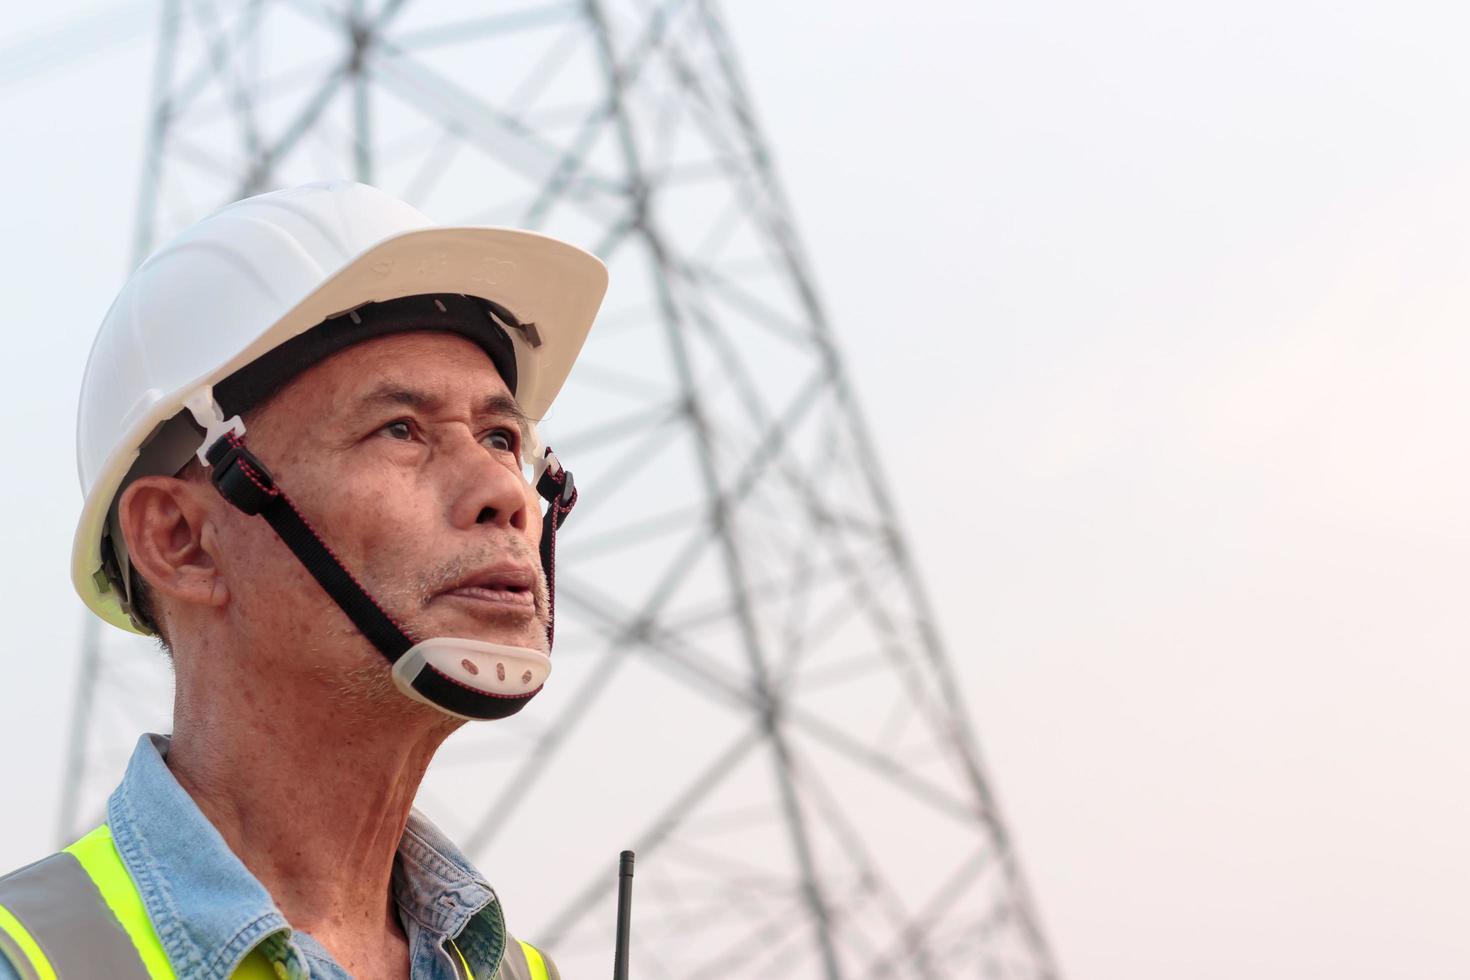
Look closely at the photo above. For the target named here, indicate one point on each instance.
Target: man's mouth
(508, 586)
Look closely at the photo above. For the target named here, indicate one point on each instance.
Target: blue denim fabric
(209, 911)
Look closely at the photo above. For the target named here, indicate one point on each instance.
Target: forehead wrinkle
(393, 393)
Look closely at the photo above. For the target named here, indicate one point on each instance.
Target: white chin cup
(491, 669)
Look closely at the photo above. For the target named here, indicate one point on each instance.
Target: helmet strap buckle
(211, 418)
(240, 477)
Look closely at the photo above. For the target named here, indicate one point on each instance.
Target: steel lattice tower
(750, 690)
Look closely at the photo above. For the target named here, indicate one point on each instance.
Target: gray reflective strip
(513, 965)
(65, 914)
(456, 960)
(10, 953)
(551, 971)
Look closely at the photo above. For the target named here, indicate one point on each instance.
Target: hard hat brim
(554, 285)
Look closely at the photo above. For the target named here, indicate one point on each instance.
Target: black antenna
(625, 914)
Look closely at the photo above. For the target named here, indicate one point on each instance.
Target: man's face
(404, 453)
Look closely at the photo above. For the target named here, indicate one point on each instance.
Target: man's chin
(520, 631)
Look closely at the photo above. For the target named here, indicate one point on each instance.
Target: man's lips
(507, 585)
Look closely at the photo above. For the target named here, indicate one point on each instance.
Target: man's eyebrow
(395, 394)
(505, 405)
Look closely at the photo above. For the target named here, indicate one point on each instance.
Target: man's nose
(488, 491)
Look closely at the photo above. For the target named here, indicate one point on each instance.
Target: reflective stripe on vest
(97, 854)
(77, 915)
(72, 930)
(19, 949)
(530, 965)
(539, 966)
(523, 961)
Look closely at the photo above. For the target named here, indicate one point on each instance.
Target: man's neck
(313, 800)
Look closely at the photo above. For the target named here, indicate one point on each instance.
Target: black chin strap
(559, 490)
(244, 481)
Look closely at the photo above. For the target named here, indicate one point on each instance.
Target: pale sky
(1176, 297)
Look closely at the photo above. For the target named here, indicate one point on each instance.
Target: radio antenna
(625, 914)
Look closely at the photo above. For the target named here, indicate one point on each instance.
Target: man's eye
(401, 429)
(499, 440)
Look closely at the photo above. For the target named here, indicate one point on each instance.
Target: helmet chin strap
(466, 678)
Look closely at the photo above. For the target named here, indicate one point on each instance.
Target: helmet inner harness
(468, 678)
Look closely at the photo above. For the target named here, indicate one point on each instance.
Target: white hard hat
(259, 272)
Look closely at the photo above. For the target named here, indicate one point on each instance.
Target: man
(308, 446)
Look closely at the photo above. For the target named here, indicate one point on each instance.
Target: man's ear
(170, 542)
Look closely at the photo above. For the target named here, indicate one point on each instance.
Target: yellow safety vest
(52, 924)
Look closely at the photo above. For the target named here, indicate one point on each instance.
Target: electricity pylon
(750, 690)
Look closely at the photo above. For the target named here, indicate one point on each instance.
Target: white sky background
(1159, 313)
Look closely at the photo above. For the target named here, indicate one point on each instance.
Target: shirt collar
(434, 883)
(441, 894)
(208, 909)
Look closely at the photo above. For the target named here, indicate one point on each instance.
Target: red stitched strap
(560, 492)
(245, 482)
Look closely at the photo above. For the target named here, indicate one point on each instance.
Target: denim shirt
(209, 911)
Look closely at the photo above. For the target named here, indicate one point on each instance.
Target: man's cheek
(385, 515)
(397, 560)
